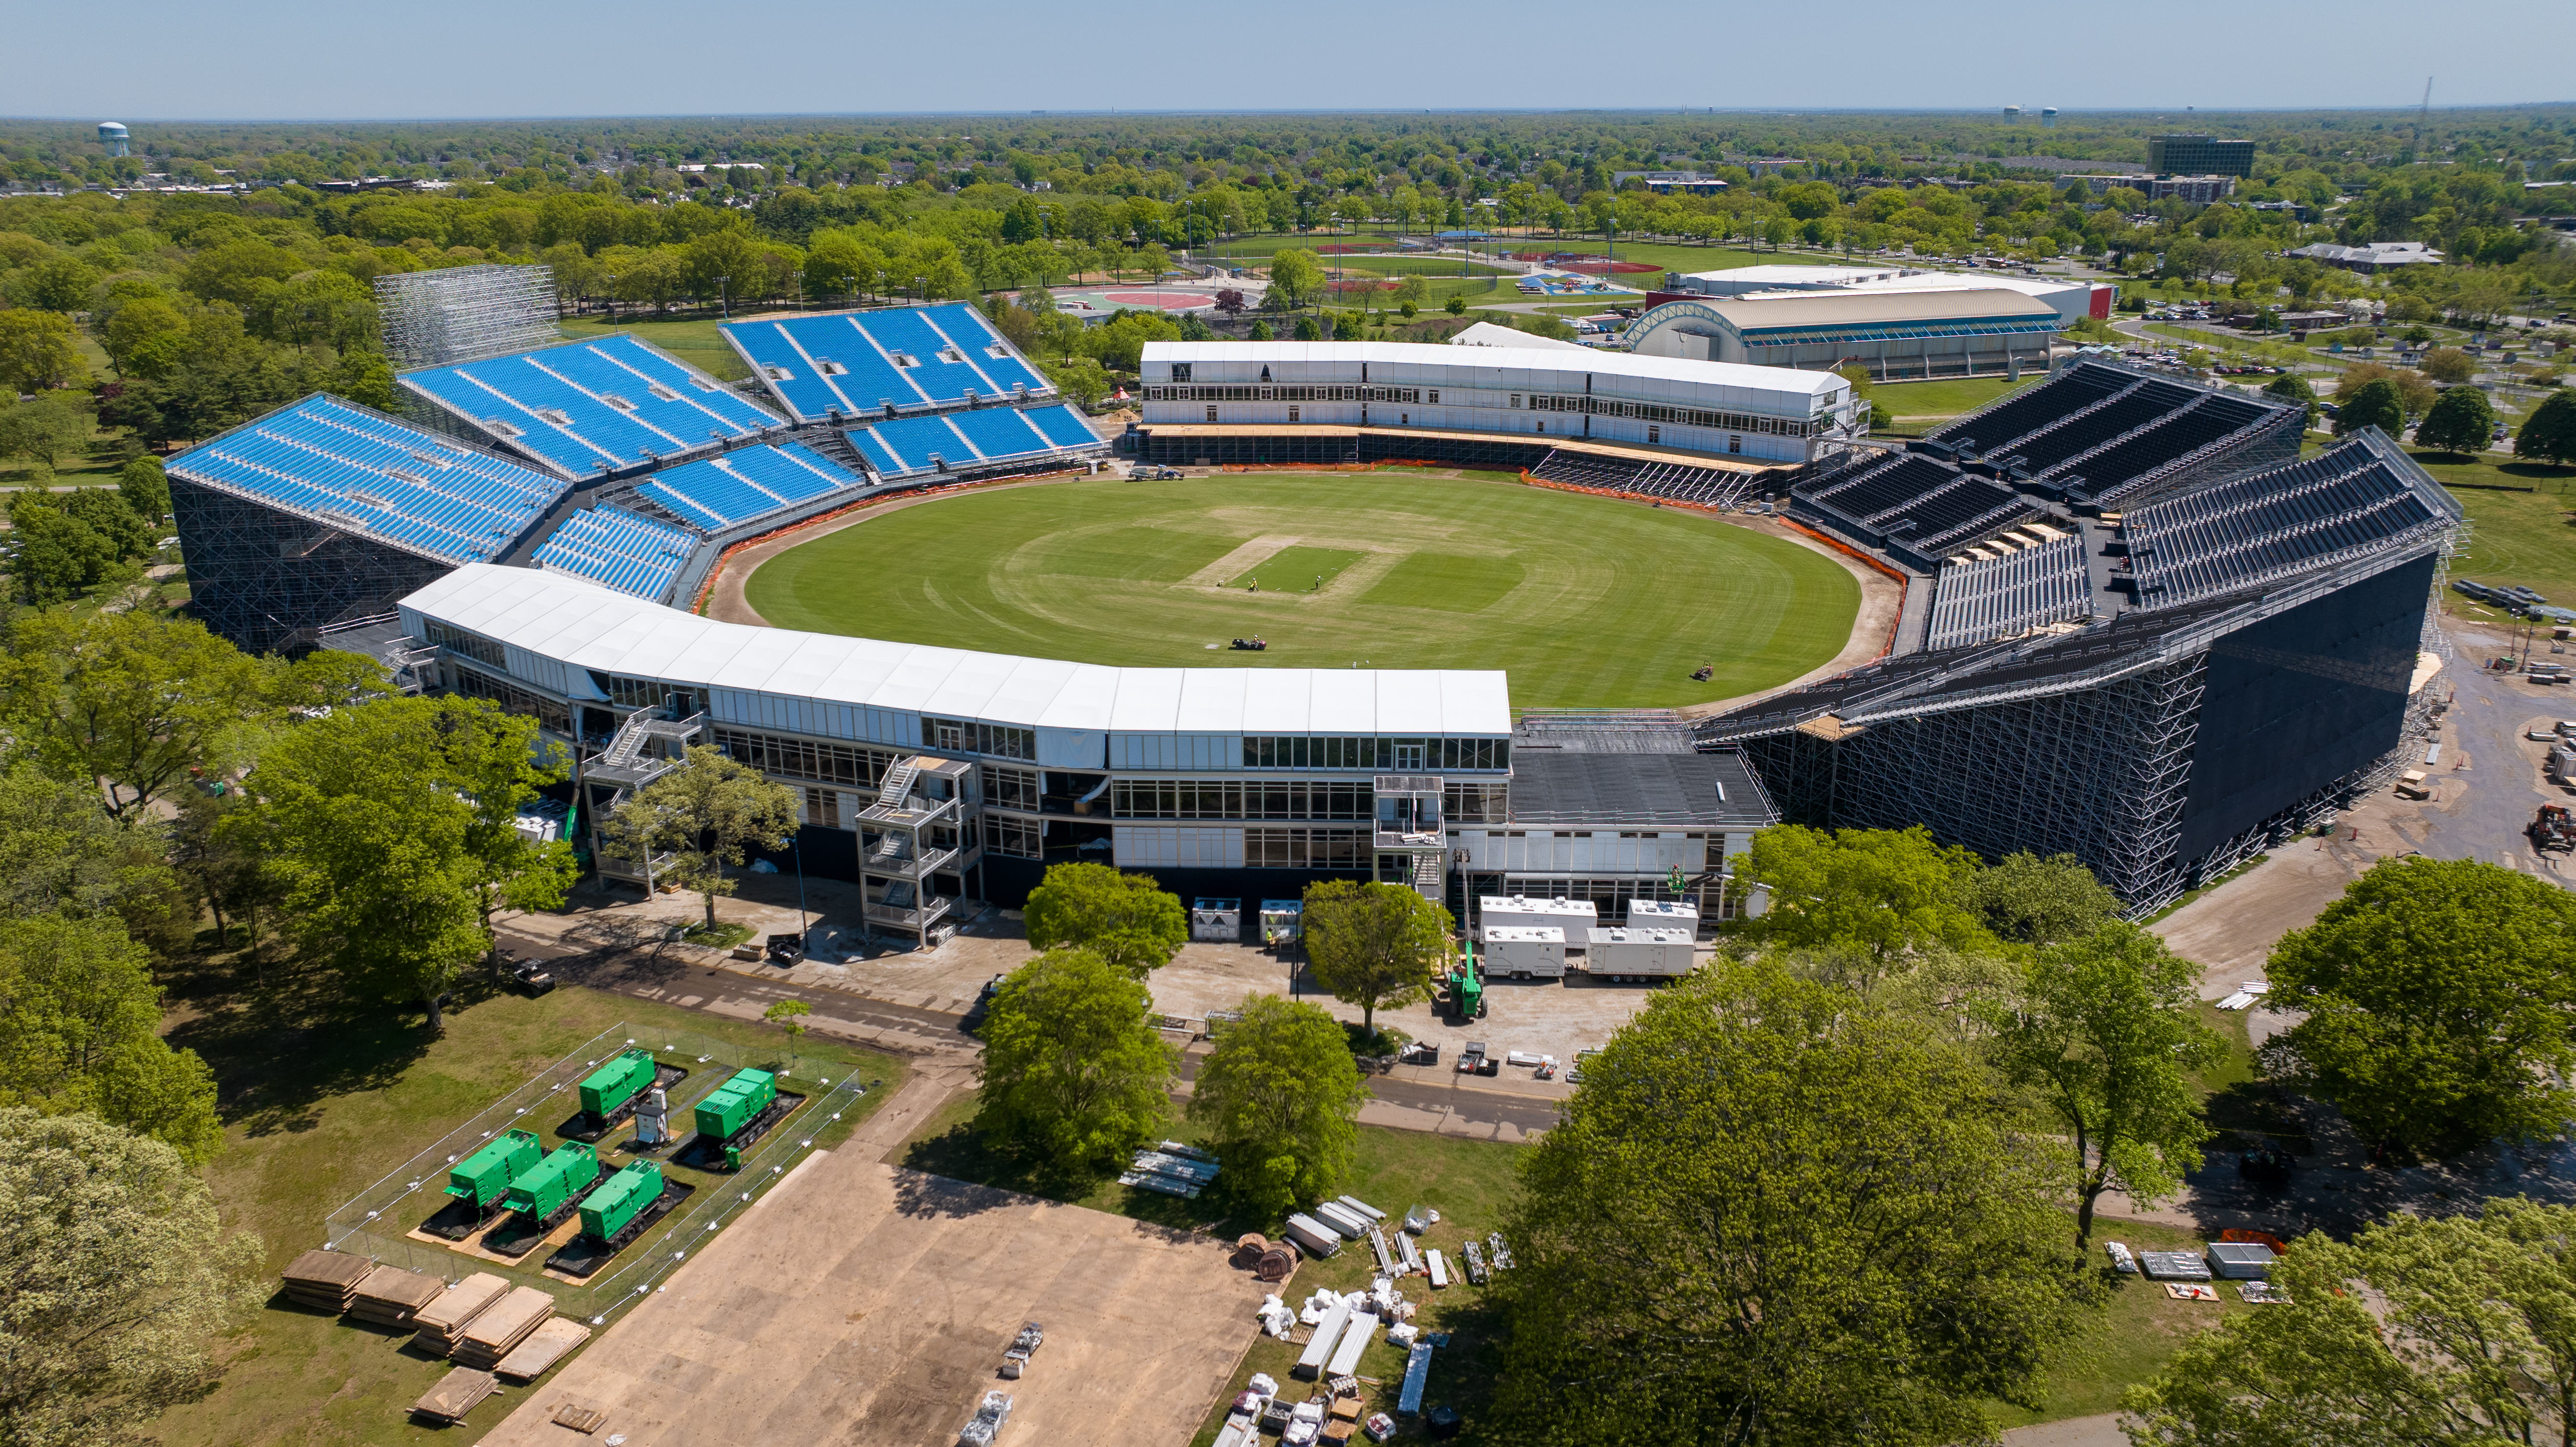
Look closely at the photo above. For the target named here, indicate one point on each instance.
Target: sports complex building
(1901, 323)
(2136, 626)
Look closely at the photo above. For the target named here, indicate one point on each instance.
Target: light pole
(724, 296)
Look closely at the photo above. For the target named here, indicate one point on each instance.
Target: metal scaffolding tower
(433, 318)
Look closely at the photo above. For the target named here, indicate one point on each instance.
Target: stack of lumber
(500, 1327)
(543, 1347)
(326, 1279)
(390, 1295)
(455, 1395)
(445, 1318)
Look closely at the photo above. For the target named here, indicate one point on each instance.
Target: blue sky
(294, 59)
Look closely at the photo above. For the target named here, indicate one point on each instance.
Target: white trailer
(1319, 1348)
(1639, 954)
(1574, 916)
(1663, 914)
(1524, 952)
(1355, 1340)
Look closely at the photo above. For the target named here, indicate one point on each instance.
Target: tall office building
(2199, 156)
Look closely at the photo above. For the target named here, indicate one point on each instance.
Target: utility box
(1283, 921)
(1639, 954)
(1663, 914)
(1216, 921)
(615, 1205)
(619, 1081)
(736, 1103)
(484, 1176)
(1525, 952)
(542, 1189)
(1574, 916)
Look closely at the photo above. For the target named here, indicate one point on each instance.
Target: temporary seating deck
(1998, 597)
(593, 406)
(970, 440)
(881, 363)
(716, 493)
(627, 551)
(2273, 523)
(1681, 482)
(368, 474)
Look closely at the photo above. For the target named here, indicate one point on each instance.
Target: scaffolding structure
(460, 314)
(271, 580)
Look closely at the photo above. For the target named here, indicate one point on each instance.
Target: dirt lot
(860, 1303)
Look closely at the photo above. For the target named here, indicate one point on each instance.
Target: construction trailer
(1283, 922)
(1216, 921)
(543, 1189)
(1572, 916)
(615, 1205)
(1525, 952)
(484, 1176)
(1639, 954)
(1678, 914)
(736, 1104)
(611, 1086)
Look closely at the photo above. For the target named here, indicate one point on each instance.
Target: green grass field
(1944, 399)
(1585, 601)
(693, 340)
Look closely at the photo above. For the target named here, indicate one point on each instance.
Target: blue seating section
(861, 363)
(745, 484)
(1064, 426)
(377, 477)
(628, 552)
(908, 445)
(617, 399)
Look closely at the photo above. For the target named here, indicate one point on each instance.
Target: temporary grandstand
(845, 367)
(459, 313)
(325, 511)
(2160, 687)
(749, 485)
(909, 447)
(618, 549)
(601, 407)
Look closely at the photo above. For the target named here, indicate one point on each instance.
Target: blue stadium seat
(1063, 426)
(746, 484)
(842, 361)
(619, 402)
(999, 432)
(624, 550)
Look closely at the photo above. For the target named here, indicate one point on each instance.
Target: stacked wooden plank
(326, 1279)
(445, 1318)
(389, 1295)
(542, 1348)
(456, 1394)
(496, 1330)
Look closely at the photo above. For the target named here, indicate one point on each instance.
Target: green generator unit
(736, 1103)
(616, 1204)
(542, 1189)
(484, 1175)
(619, 1081)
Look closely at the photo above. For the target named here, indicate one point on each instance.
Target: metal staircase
(1429, 879)
(898, 783)
(629, 763)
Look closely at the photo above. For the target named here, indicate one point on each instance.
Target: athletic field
(1587, 602)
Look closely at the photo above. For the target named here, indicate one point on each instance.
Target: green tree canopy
(117, 1282)
(1775, 1214)
(1374, 945)
(2104, 1028)
(146, 489)
(1280, 1096)
(2448, 364)
(2445, 1056)
(1073, 1070)
(2375, 403)
(2291, 387)
(705, 814)
(1885, 891)
(61, 854)
(1296, 277)
(80, 1031)
(136, 697)
(1128, 920)
(2462, 420)
(2034, 901)
(2549, 433)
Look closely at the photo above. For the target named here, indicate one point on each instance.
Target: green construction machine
(736, 1103)
(481, 1177)
(1467, 989)
(611, 1086)
(541, 1190)
(618, 1201)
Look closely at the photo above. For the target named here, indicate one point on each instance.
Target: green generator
(484, 1175)
(542, 1189)
(619, 1081)
(736, 1103)
(615, 1205)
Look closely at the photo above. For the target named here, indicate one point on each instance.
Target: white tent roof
(1488, 334)
(582, 626)
(1773, 381)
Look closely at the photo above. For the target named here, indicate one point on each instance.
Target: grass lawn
(1945, 398)
(693, 340)
(320, 1100)
(2130, 1338)
(2516, 537)
(1587, 602)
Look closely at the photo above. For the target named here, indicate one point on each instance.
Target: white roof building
(1738, 280)
(1489, 334)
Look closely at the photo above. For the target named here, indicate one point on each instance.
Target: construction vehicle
(541, 1191)
(1466, 990)
(736, 1104)
(482, 1177)
(611, 1086)
(623, 1197)
(2553, 829)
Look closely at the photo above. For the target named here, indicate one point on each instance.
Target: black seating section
(2024, 412)
(2255, 528)
(1680, 482)
(2109, 472)
(2047, 449)
(1874, 490)
(1966, 506)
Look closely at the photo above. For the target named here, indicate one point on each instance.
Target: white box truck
(1663, 914)
(1574, 916)
(1639, 954)
(1524, 952)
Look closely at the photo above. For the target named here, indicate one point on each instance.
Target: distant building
(2199, 156)
(112, 134)
(2370, 256)
(2198, 190)
(2099, 183)
(1670, 183)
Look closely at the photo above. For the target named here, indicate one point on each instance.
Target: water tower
(2048, 118)
(111, 134)
(2011, 114)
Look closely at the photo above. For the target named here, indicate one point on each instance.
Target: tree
(236, 270)
(45, 429)
(145, 488)
(1456, 306)
(1296, 278)
(2549, 433)
(2448, 1330)
(1309, 330)
(1413, 291)
(1260, 332)
(61, 854)
(2375, 403)
(1374, 945)
(1072, 1067)
(36, 350)
(1280, 1096)
(704, 813)
(116, 1281)
(1126, 919)
(788, 1015)
(2035, 901)
(1883, 891)
(1079, 379)
(61, 283)
(82, 1033)
(2461, 421)
(386, 825)
(2104, 1028)
(1774, 1213)
(2293, 388)
(2442, 1057)
(136, 698)
(2448, 364)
